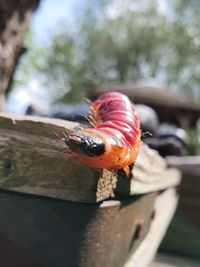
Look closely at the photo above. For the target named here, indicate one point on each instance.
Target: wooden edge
(46, 127)
(173, 260)
(184, 160)
(165, 206)
(188, 165)
(150, 174)
(169, 178)
(34, 159)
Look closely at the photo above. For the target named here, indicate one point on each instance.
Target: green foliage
(183, 70)
(118, 41)
(31, 63)
(194, 140)
(136, 44)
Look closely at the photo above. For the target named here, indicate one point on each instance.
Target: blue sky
(49, 16)
(53, 13)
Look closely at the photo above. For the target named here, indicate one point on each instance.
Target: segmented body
(116, 127)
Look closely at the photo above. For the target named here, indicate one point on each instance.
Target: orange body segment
(114, 142)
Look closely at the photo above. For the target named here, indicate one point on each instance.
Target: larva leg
(127, 171)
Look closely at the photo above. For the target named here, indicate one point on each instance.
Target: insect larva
(114, 141)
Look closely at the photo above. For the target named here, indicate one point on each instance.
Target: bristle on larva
(114, 140)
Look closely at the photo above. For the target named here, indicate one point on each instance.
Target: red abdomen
(114, 112)
(114, 141)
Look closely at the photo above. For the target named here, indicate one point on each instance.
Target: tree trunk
(2, 102)
(14, 19)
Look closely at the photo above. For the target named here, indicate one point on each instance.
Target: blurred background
(75, 47)
(149, 49)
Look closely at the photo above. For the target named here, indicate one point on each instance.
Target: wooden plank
(189, 203)
(188, 165)
(189, 243)
(187, 219)
(171, 260)
(47, 232)
(148, 94)
(150, 174)
(33, 159)
(145, 253)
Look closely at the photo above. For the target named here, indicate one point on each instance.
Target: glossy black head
(85, 144)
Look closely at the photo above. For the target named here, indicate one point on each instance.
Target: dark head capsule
(85, 144)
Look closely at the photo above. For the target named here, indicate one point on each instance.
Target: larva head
(85, 144)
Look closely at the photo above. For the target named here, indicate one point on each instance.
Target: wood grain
(35, 160)
(47, 232)
(150, 173)
(145, 253)
(189, 189)
(188, 165)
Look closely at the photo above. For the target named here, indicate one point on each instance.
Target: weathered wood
(145, 253)
(14, 20)
(186, 222)
(33, 159)
(187, 218)
(150, 174)
(189, 243)
(173, 260)
(189, 189)
(46, 232)
(188, 164)
(121, 228)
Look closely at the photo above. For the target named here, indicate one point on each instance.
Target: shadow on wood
(48, 222)
(39, 231)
